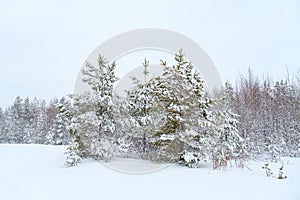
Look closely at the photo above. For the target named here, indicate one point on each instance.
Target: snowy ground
(36, 172)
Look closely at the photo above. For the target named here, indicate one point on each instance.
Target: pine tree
(281, 174)
(73, 157)
(267, 169)
(58, 133)
(28, 121)
(40, 123)
(2, 125)
(14, 121)
(139, 125)
(181, 97)
(82, 127)
(228, 144)
(92, 123)
(76, 149)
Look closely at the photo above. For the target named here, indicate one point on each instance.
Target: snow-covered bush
(103, 150)
(191, 159)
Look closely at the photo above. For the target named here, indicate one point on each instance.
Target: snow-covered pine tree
(40, 123)
(58, 133)
(281, 119)
(228, 144)
(101, 79)
(93, 112)
(138, 120)
(72, 153)
(2, 125)
(7, 125)
(181, 97)
(28, 121)
(14, 122)
(81, 125)
(76, 150)
(267, 169)
(281, 174)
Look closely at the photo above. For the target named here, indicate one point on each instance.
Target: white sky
(44, 43)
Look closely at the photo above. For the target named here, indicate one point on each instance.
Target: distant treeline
(269, 113)
(33, 122)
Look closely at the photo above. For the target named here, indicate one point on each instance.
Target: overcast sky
(44, 43)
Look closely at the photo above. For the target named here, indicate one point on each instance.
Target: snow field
(36, 172)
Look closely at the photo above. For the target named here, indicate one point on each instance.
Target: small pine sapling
(267, 169)
(281, 174)
(72, 156)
